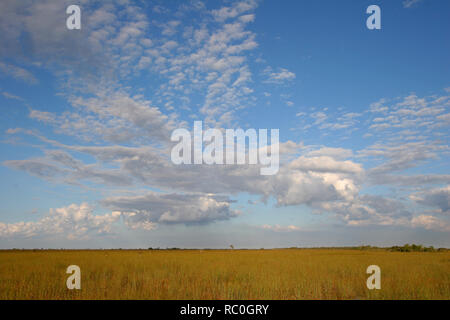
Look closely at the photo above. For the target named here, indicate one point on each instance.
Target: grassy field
(224, 274)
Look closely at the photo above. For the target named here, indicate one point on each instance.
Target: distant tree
(231, 246)
(413, 248)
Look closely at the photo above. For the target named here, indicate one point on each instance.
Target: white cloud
(430, 223)
(135, 222)
(289, 103)
(302, 180)
(365, 210)
(112, 117)
(238, 8)
(336, 153)
(326, 164)
(410, 113)
(74, 222)
(172, 208)
(319, 117)
(278, 228)
(281, 76)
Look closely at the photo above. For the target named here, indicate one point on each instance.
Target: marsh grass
(224, 274)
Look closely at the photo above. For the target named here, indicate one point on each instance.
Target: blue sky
(88, 114)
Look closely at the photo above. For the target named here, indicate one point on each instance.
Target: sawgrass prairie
(224, 274)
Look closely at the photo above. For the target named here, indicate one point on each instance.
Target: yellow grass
(224, 274)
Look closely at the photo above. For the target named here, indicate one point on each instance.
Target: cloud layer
(135, 72)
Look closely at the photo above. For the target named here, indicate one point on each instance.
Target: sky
(363, 119)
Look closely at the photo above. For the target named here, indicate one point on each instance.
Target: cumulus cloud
(172, 208)
(301, 179)
(430, 222)
(370, 210)
(135, 221)
(74, 222)
(365, 210)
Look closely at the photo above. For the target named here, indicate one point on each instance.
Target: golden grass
(224, 274)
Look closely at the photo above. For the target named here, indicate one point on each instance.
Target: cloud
(60, 167)
(319, 117)
(119, 132)
(366, 210)
(36, 32)
(169, 28)
(37, 167)
(409, 180)
(370, 210)
(408, 118)
(301, 180)
(398, 157)
(110, 116)
(430, 223)
(296, 188)
(402, 156)
(411, 131)
(114, 43)
(326, 164)
(238, 8)
(204, 58)
(278, 77)
(335, 153)
(74, 222)
(108, 43)
(412, 112)
(11, 96)
(18, 73)
(410, 3)
(278, 228)
(172, 208)
(438, 198)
